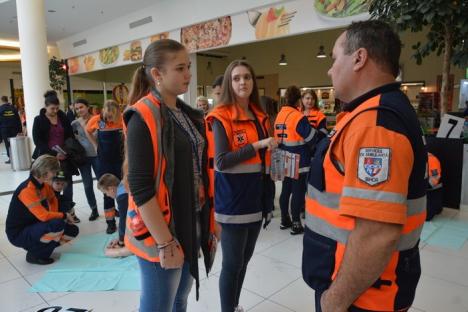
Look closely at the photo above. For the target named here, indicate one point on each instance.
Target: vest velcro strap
(238, 219)
(293, 143)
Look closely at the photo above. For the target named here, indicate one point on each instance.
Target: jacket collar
(35, 182)
(349, 107)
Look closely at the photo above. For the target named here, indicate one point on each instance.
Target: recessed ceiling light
(51, 11)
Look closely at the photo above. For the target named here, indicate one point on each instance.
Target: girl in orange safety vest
(168, 219)
(242, 190)
(311, 110)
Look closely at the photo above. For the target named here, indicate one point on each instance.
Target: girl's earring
(158, 82)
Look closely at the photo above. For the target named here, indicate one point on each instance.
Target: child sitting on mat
(111, 186)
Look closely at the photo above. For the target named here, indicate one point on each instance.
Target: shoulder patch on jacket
(374, 165)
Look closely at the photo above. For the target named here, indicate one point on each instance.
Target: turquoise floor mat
(83, 267)
(445, 232)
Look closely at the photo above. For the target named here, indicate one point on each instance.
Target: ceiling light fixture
(282, 61)
(10, 57)
(9, 44)
(321, 52)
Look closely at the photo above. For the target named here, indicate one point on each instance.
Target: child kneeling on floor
(111, 186)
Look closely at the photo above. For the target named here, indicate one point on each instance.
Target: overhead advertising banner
(290, 18)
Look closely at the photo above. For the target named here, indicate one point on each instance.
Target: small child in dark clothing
(112, 187)
(59, 182)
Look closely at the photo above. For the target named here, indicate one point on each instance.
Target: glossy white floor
(273, 282)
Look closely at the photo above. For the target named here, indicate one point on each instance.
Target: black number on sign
(453, 122)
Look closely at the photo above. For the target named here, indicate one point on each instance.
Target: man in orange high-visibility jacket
(365, 205)
(434, 191)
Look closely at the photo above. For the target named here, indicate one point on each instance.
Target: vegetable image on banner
(341, 8)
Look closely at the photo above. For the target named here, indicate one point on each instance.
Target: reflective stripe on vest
(238, 219)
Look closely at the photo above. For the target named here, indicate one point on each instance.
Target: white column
(104, 88)
(34, 58)
(191, 96)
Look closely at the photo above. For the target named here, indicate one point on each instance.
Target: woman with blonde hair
(106, 132)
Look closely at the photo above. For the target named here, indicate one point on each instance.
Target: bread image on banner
(271, 23)
(73, 65)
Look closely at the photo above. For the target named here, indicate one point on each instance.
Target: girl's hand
(171, 257)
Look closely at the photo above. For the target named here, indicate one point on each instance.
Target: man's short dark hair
(218, 81)
(382, 43)
(4, 99)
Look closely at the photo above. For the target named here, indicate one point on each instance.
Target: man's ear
(360, 59)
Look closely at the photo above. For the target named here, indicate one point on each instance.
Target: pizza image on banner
(374, 165)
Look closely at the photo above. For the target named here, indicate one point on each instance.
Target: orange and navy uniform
(31, 203)
(316, 118)
(434, 171)
(295, 135)
(372, 166)
(97, 123)
(237, 190)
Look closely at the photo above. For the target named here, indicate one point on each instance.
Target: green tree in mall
(57, 74)
(446, 23)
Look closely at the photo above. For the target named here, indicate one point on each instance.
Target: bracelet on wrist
(166, 244)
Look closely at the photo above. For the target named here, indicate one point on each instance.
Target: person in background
(71, 112)
(310, 109)
(295, 135)
(34, 221)
(169, 218)
(10, 124)
(59, 182)
(203, 105)
(79, 129)
(216, 89)
(51, 129)
(366, 199)
(270, 107)
(242, 144)
(105, 131)
(110, 185)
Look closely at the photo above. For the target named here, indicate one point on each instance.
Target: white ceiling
(71, 16)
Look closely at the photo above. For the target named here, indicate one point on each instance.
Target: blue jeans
(238, 245)
(164, 290)
(87, 177)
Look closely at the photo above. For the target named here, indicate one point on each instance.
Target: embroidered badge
(240, 138)
(374, 165)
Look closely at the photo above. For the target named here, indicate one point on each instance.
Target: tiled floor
(273, 282)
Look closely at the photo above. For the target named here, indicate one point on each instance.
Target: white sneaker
(239, 309)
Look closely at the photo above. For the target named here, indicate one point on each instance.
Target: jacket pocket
(318, 260)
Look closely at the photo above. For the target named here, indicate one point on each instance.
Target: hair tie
(143, 66)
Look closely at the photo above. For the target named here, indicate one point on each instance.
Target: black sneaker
(8, 162)
(35, 260)
(75, 218)
(297, 228)
(111, 228)
(94, 215)
(285, 223)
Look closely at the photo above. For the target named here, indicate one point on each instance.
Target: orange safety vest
(240, 131)
(434, 170)
(327, 225)
(138, 239)
(315, 117)
(289, 139)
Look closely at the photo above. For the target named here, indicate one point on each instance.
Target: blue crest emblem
(372, 165)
